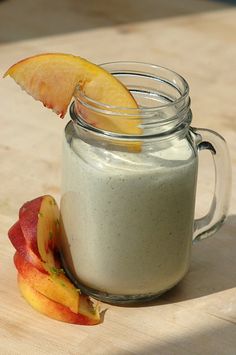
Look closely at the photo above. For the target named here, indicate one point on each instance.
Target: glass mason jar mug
(128, 194)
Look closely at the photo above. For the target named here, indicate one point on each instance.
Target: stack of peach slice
(41, 278)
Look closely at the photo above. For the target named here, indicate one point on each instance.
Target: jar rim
(128, 111)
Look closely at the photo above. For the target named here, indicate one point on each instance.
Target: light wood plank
(199, 315)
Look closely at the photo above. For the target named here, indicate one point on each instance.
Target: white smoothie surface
(128, 217)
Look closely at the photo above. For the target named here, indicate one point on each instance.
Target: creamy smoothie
(128, 220)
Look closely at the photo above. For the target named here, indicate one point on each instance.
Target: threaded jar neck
(161, 94)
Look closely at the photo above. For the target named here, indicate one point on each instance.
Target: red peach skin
(29, 220)
(39, 221)
(19, 242)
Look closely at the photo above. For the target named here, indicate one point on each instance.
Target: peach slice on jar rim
(53, 78)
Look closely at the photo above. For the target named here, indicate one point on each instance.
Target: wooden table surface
(196, 39)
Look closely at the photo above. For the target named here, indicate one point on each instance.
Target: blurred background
(27, 19)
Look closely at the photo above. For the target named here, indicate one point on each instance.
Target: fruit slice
(56, 286)
(18, 241)
(48, 230)
(55, 310)
(88, 308)
(39, 221)
(53, 78)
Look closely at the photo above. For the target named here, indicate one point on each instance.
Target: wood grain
(199, 315)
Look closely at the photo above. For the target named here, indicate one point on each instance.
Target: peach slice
(48, 231)
(44, 285)
(56, 310)
(52, 78)
(28, 218)
(55, 286)
(39, 221)
(19, 242)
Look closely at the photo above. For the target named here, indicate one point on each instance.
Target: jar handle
(211, 222)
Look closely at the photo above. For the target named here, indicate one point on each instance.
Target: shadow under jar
(128, 200)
